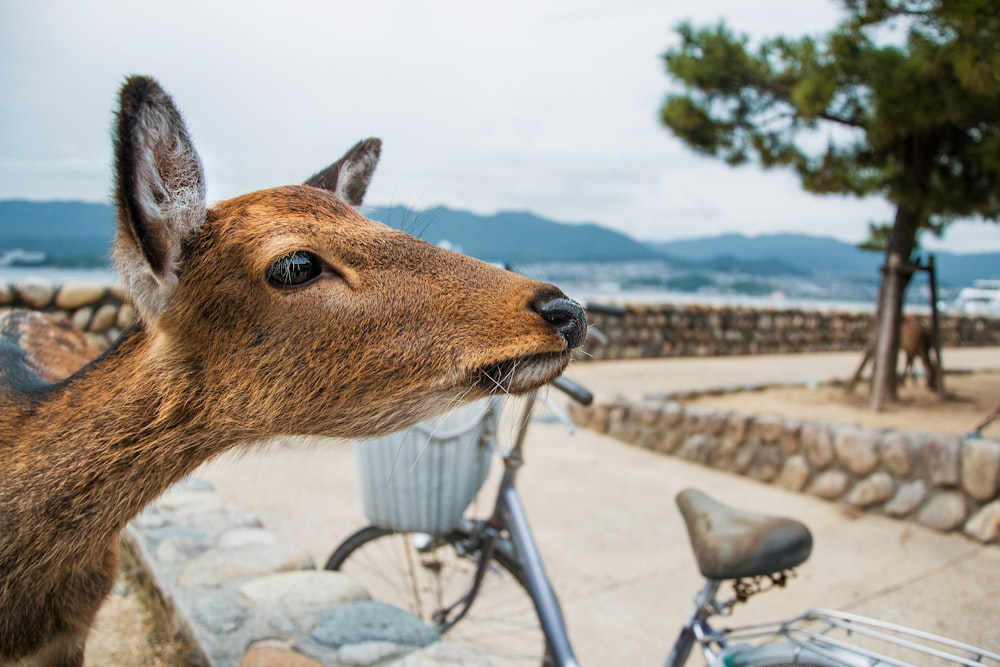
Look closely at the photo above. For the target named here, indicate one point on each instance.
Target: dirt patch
(968, 399)
(132, 629)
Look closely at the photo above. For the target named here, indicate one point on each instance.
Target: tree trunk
(902, 240)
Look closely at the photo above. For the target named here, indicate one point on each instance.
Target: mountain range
(71, 233)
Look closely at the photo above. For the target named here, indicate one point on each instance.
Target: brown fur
(394, 330)
(915, 341)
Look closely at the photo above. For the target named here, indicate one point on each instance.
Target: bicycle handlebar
(574, 390)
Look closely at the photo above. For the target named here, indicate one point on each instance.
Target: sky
(549, 106)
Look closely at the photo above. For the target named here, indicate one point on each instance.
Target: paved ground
(615, 546)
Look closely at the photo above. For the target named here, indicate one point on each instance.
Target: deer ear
(159, 191)
(348, 177)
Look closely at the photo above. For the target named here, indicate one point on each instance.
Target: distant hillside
(811, 254)
(69, 232)
(517, 237)
(79, 234)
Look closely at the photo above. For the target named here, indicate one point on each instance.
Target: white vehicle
(983, 298)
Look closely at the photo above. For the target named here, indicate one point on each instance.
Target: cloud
(549, 107)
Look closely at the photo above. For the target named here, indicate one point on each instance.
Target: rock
(6, 293)
(791, 438)
(769, 428)
(372, 621)
(944, 511)
(104, 318)
(647, 413)
(73, 295)
(218, 613)
(856, 448)
(81, 318)
(985, 524)
(767, 463)
(669, 441)
(795, 473)
(908, 498)
(829, 485)
(275, 654)
(304, 591)
(672, 415)
(244, 536)
(126, 316)
(895, 449)
(735, 432)
(980, 468)
(370, 653)
(875, 489)
(697, 447)
(34, 292)
(941, 457)
(817, 444)
(220, 565)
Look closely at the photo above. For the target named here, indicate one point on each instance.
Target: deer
(915, 341)
(274, 313)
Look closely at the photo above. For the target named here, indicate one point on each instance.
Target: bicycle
(483, 585)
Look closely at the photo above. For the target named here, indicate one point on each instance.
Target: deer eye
(294, 269)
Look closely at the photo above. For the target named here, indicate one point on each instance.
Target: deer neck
(87, 454)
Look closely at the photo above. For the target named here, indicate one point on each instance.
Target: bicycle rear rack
(851, 639)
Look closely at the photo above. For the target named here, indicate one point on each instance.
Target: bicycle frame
(509, 513)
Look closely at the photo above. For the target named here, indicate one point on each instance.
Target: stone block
(274, 654)
(944, 511)
(941, 455)
(908, 498)
(980, 468)
(647, 413)
(830, 484)
(817, 443)
(303, 591)
(220, 565)
(984, 525)
(126, 316)
(791, 437)
(672, 415)
(372, 621)
(872, 490)
(104, 318)
(795, 473)
(669, 441)
(896, 449)
(767, 463)
(856, 448)
(80, 319)
(73, 295)
(35, 293)
(769, 429)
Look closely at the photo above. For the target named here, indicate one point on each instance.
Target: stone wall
(662, 330)
(945, 482)
(101, 311)
(667, 330)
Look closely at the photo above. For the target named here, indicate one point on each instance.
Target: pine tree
(901, 100)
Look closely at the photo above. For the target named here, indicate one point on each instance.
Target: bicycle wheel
(425, 574)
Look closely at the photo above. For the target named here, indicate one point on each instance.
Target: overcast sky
(547, 106)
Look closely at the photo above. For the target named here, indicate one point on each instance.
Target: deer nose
(568, 317)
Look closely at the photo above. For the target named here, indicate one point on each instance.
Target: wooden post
(935, 329)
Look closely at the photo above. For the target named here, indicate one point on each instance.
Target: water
(584, 293)
(58, 276)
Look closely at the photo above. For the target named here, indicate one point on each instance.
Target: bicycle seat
(729, 543)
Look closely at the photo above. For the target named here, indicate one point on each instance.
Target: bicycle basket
(421, 479)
